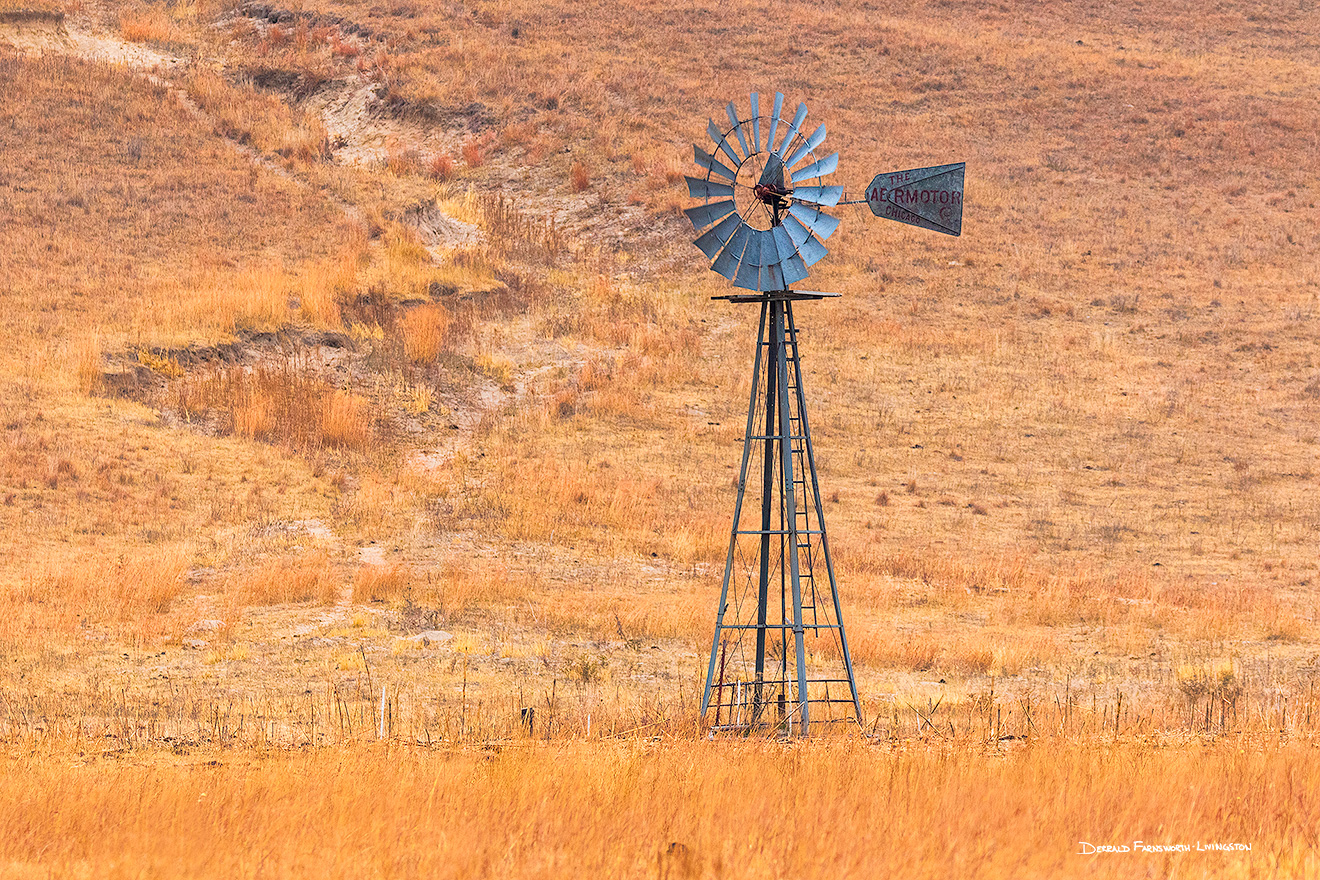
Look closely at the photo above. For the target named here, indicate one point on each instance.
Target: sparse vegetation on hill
(363, 415)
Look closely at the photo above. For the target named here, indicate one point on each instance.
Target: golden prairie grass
(310, 577)
(168, 266)
(265, 122)
(644, 810)
(607, 397)
(321, 287)
(135, 591)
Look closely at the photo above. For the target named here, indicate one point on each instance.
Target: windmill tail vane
(779, 659)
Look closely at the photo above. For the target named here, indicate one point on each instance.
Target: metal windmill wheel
(763, 210)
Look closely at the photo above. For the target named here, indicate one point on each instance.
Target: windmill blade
(756, 123)
(726, 263)
(794, 270)
(769, 249)
(790, 260)
(821, 224)
(931, 198)
(784, 243)
(811, 143)
(704, 215)
(749, 271)
(748, 277)
(798, 119)
(825, 196)
(772, 175)
(816, 169)
(796, 232)
(806, 244)
(713, 165)
(700, 188)
(772, 278)
(752, 254)
(763, 256)
(812, 251)
(737, 127)
(776, 249)
(798, 237)
(715, 238)
(718, 137)
(774, 121)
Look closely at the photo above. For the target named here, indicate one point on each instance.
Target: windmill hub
(771, 195)
(760, 198)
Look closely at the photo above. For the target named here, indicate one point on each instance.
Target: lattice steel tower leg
(781, 677)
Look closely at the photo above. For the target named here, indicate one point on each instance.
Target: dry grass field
(361, 399)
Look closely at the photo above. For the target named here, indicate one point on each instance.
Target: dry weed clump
(321, 287)
(277, 405)
(146, 24)
(401, 160)
(578, 177)
(346, 421)
(1200, 680)
(381, 583)
(146, 584)
(472, 154)
(1217, 683)
(441, 167)
(516, 234)
(425, 333)
(88, 361)
(603, 388)
(402, 270)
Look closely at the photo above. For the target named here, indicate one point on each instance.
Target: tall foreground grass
(640, 809)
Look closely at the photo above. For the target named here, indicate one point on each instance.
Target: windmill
(779, 660)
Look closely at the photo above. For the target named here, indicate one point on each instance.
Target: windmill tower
(779, 660)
